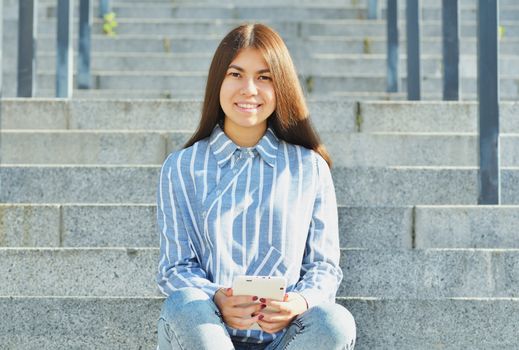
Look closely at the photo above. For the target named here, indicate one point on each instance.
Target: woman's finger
(271, 327)
(276, 317)
(281, 306)
(242, 323)
(244, 311)
(242, 300)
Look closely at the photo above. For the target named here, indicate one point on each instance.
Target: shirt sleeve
(179, 266)
(321, 274)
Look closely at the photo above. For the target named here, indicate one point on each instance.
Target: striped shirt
(267, 210)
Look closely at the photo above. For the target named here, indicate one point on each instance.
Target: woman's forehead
(249, 59)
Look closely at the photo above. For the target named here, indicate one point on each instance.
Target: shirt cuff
(211, 289)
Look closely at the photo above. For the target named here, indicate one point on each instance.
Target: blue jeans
(190, 320)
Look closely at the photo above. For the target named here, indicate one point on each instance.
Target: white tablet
(269, 287)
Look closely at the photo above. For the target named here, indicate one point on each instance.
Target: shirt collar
(223, 147)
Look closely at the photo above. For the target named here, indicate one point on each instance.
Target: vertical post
(27, 23)
(392, 46)
(1, 53)
(1, 72)
(104, 8)
(413, 49)
(64, 55)
(488, 96)
(451, 50)
(84, 80)
(373, 9)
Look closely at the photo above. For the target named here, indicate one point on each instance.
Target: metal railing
(1, 52)
(489, 182)
(27, 26)
(27, 41)
(487, 75)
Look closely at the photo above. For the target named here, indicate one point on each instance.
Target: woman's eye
(264, 77)
(234, 74)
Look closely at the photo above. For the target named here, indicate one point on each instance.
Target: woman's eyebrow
(238, 68)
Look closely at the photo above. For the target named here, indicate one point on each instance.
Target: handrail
(489, 180)
(27, 59)
(84, 80)
(451, 50)
(1, 54)
(27, 25)
(64, 53)
(392, 46)
(373, 11)
(414, 75)
(104, 8)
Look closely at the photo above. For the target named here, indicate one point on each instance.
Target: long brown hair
(290, 120)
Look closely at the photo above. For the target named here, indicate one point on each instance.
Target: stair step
(151, 148)
(271, 11)
(243, 11)
(396, 186)
(327, 115)
(318, 86)
(93, 323)
(206, 44)
(357, 186)
(307, 64)
(79, 323)
(46, 225)
(430, 273)
(287, 28)
(431, 117)
(398, 274)
(88, 147)
(454, 323)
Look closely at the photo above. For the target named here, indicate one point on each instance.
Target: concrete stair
(367, 186)
(78, 186)
(102, 322)
(397, 274)
(377, 227)
(424, 266)
(146, 148)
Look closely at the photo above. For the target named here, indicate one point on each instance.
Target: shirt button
(218, 192)
(204, 214)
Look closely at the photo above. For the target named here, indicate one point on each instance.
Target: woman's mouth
(248, 107)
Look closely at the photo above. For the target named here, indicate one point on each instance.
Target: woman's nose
(249, 87)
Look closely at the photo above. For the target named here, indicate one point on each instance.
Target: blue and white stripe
(270, 210)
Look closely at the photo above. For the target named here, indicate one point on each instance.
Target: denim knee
(337, 322)
(189, 320)
(178, 303)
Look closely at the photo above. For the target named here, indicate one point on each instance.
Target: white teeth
(248, 106)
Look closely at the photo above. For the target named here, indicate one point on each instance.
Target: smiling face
(247, 98)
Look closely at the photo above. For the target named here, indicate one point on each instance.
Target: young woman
(250, 194)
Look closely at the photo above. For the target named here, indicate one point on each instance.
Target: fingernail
(263, 300)
(254, 298)
(263, 306)
(260, 317)
(229, 289)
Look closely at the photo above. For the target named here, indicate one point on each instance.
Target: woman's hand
(293, 305)
(234, 315)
